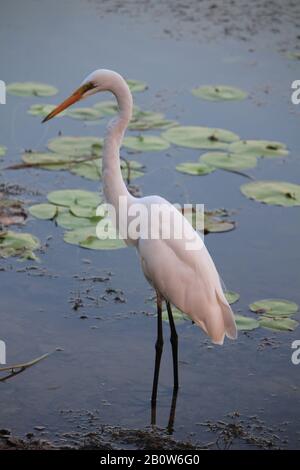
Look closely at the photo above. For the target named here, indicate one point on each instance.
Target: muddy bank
(110, 438)
(234, 431)
(208, 20)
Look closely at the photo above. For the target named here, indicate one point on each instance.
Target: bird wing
(188, 278)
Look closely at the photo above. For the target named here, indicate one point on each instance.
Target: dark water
(107, 362)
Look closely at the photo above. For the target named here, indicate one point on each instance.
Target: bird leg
(174, 343)
(170, 427)
(158, 347)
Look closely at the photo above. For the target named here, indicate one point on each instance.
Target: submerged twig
(21, 166)
(17, 368)
(24, 165)
(240, 173)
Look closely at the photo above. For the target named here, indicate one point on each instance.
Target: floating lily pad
(219, 93)
(43, 211)
(48, 160)
(31, 89)
(200, 137)
(131, 169)
(75, 210)
(69, 221)
(17, 244)
(93, 171)
(136, 85)
(108, 108)
(90, 170)
(195, 217)
(53, 161)
(245, 323)
(85, 212)
(146, 143)
(85, 114)
(197, 169)
(2, 150)
(228, 161)
(43, 110)
(231, 297)
(213, 224)
(143, 120)
(274, 307)
(278, 193)
(259, 148)
(214, 221)
(86, 238)
(68, 197)
(76, 146)
(293, 55)
(178, 316)
(278, 324)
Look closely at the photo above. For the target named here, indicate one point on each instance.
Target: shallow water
(107, 359)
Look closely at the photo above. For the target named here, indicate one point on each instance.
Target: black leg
(158, 347)
(170, 427)
(174, 343)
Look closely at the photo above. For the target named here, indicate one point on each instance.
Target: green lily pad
(48, 160)
(136, 85)
(90, 170)
(178, 316)
(219, 93)
(2, 150)
(293, 55)
(69, 221)
(231, 297)
(228, 161)
(76, 146)
(197, 169)
(17, 244)
(200, 137)
(31, 89)
(213, 224)
(43, 110)
(43, 211)
(143, 120)
(85, 114)
(80, 211)
(147, 143)
(93, 171)
(108, 108)
(86, 238)
(214, 221)
(278, 324)
(278, 193)
(259, 148)
(68, 197)
(274, 307)
(134, 171)
(245, 323)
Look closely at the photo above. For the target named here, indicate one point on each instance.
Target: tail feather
(228, 316)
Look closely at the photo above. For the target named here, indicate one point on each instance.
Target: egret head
(97, 81)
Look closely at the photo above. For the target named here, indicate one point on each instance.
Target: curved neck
(113, 184)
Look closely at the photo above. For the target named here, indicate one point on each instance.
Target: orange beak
(76, 96)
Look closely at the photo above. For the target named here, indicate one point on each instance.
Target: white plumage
(185, 278)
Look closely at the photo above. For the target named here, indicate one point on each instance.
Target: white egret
(185, 278)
